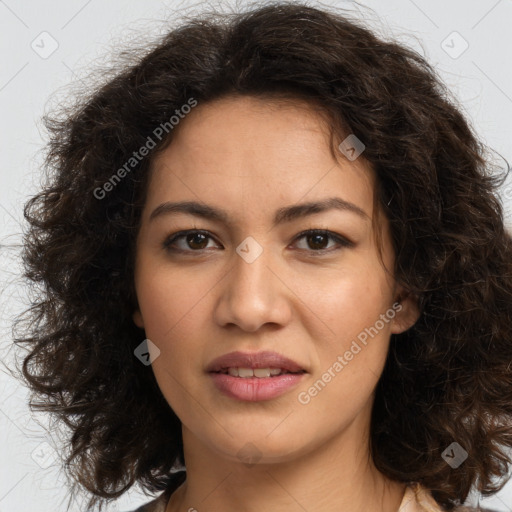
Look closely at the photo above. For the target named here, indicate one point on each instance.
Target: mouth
(261, 364)
(255, 376)
(259, 373)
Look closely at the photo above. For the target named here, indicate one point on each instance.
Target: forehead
(248, 152)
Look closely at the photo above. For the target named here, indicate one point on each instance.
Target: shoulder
(156, 505)
(159, 504)
(473, 509)
(416, 499)
(419, 499)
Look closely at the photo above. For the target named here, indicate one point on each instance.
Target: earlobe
(137, 319)
(407, 313)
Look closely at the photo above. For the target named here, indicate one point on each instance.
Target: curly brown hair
(446, 379)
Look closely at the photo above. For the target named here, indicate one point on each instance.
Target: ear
(137, 319)
(407, 312)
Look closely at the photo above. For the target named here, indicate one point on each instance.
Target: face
(269, 332)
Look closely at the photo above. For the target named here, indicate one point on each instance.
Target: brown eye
(187, 241)
(196, 240)
(318, 240)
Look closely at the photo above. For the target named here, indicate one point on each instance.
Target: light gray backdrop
(47, 44)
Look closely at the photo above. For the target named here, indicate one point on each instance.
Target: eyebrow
(282, 215)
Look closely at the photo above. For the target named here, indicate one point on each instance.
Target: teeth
(246, 373)
(262, 372)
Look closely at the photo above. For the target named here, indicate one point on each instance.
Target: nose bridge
(251, 283)
(250, 268)
(252, 295)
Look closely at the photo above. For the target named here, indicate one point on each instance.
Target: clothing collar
(416, 499)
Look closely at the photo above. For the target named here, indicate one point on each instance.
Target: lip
(264, 359)
(254, 389)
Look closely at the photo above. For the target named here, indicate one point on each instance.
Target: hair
(446, 379)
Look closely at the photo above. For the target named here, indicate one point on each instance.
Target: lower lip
(255, 389)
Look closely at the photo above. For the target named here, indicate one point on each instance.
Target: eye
(193, 241)
(317, 240)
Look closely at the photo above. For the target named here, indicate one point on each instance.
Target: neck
(339, 475)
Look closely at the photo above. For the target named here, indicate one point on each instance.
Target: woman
(274, 277)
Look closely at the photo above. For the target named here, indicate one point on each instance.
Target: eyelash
(342, 241)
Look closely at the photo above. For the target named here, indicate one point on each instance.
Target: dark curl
(447, 379)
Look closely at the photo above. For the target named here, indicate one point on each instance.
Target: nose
(253, 294)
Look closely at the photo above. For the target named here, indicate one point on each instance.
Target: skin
(251, 157)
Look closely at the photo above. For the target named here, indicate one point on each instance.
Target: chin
(260, 445)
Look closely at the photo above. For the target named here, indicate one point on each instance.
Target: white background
(86, 30)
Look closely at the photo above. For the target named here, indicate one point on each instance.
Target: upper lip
(266, 359)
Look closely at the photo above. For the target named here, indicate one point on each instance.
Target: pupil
(317, 241)
(196, 237)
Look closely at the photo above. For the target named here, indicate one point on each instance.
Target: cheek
(173, 308)
(170, 301)
(351, 361)
(351, 358)
(345, 303)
